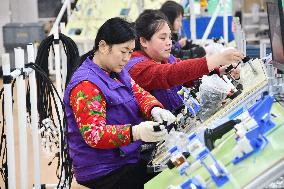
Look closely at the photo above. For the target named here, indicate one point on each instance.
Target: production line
(220, 125)
(89, 15)
(257, 170)
(258, 155)
(253, 162)
(244, 136)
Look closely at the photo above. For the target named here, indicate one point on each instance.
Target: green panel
(212, 4)
(242, 173)
(90, 15)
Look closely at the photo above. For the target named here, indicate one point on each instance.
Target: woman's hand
(235, 73)
(226, 57)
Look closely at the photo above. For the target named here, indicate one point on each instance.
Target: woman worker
(106, 112)
(155, 69)
(181, 46)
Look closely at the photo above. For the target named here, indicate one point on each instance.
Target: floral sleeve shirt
(89, 106)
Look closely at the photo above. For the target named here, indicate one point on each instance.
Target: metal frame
(268, 176)
(212, 21)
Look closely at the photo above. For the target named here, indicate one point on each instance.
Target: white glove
(160, 115)
(145, 131)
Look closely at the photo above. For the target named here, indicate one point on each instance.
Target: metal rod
(211, 22)
(63, 59)
(225, 22)
(22, 118)
(8, 108)
(34, 119)
(192, 20)
(57, 63)
(59, 90)
(59, 17)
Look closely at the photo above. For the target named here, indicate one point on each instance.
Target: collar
(140, 53)
(109, 78)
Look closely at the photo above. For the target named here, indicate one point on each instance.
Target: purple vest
(122, 108)
(168, 97)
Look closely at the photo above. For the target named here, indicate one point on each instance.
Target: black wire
(3, 142)
(69, 47)
(279, 98)
(4, 168)
(28, 102)
(47, 96)
(52, 95)
(47, 92)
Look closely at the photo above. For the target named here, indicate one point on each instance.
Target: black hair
(172, 10)
(148, 23)
(113, 31)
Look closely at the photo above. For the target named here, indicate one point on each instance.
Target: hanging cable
(47, 95)
(3, 141)
(48, 108)
(3, 147)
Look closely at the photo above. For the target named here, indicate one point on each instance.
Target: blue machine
(191, 103)
(260, 112)
(192, 182)
(178, 160)
(201, 152)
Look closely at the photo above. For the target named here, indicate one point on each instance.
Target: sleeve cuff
(131, 135)
(149, 116)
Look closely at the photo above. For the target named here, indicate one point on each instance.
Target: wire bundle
(70, 49)
(46, 105)
(47, 95)
(46, 98)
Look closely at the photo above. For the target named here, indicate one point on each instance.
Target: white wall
(4, 19)
(23, 11)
